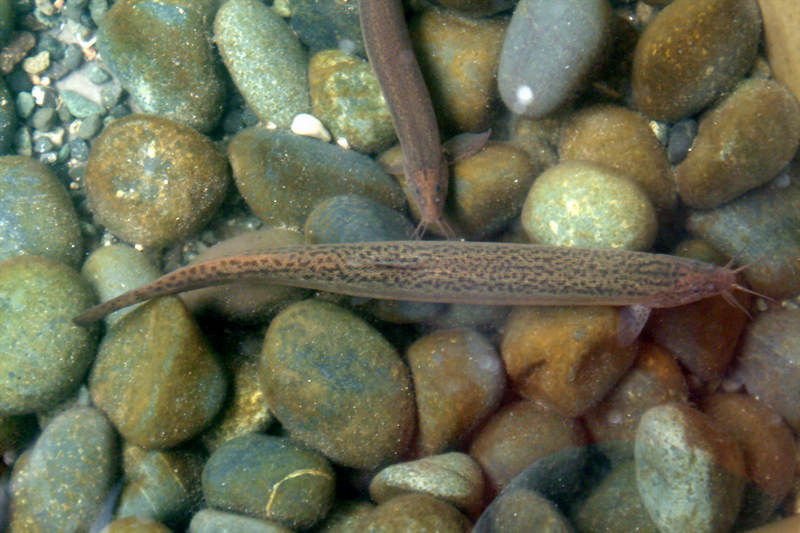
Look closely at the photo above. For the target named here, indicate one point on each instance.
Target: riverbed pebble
(577, 203)
(135, 525)
(759, 122)
(36, 214)
(780, 18)
(337, 385)
(519, 510)
(163, 54)
(567, 358)
(265, 60)
(154, 181)
(43, 355)
(355, 218)
(270, 477)
(416, 512)
(214, 521)
(691, 53)
(156, 377)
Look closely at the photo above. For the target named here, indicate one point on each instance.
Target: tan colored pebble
(416, 512)
(567, 358)
(452, 477)
(781, 19)
(519, 434)
(458, 381)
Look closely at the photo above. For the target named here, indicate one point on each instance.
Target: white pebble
(310, 126)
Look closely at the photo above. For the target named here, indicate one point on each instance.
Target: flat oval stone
(153, 181)
(43, 355)
(452, 477)
(346, 516)
(759, 122)
(337, 385)
(769, 362)
(547, 351)
(621, 139)
(549, 52)
(156, 377)
(213, 521)
(458, 380)
(416, 512)
(70, 471)
(692, 52)
(36, 214)
(244, 302)
(265, 60)
(282, 176)
(519, 434)
(519, 510)
(355, 218)
(459, 56)
(115, 269)
(270, 477)
(768, 446)
(488, 190)
(576, 203)
(345, 96)
(681, 451)
(163, 54)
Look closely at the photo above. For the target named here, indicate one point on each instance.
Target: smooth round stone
(346, 517)
(692, 52)
(43, 355)
(112, 270)
(614, 505)
(134, 524)
(576, 203)
(519, 434)
(459, 57)
(681, 451)
(760, 123)
(153, 181)
(769, 362)
(539, 138)
(337, 385)
(69, 472)
(458, 380)
(156, 377)
(622, 140)
(282, 176)
(245, 302)
(768, 446)
(549, 52)
(355, 218)
(780, 18)
(416, 512)
(163, 54)
(345, 95)
(265, 60)
(213, 521)
(520, 510)
(327, 25)
(655, 378)
(759, 230)
(163, 486)
(270, 477)
(488, 190)
(546, 351)
(452, 477)
(8, 111)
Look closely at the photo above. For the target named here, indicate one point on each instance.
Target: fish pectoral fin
(465, 145)
(631, 323)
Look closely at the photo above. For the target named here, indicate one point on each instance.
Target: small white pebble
(524, 98)
(310, 126)
(342, 142)
(347, 46)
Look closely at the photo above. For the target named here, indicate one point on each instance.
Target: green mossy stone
(742, 143)
(337, 385)
(70, 471)
(154, 181)
(270, 477)
(265, 60)
(36, 214)
(690, 53)
(156, 377)
(163, 54)
(282, 176)
(576, 203)
(213, 521)
(346, 97)
(43, 355)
